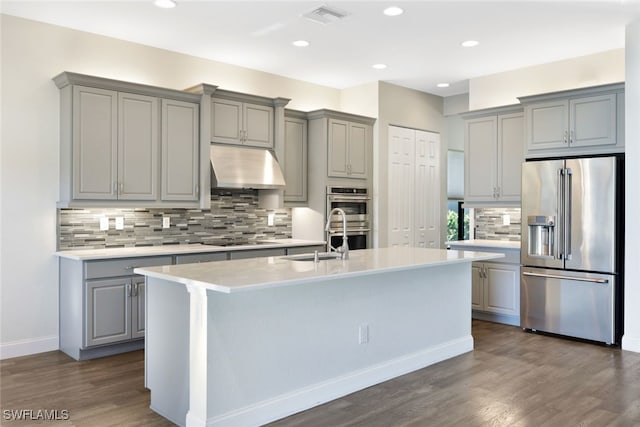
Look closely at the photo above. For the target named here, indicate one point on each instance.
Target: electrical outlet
(166, 222)
(271, 219)
(506, 219)
(104, 223)
(363, 334)
(119, 223)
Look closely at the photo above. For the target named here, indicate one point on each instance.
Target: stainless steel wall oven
(354, 201)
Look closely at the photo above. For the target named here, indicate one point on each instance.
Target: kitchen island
(246, 342)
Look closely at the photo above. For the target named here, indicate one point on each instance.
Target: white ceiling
(421, 47)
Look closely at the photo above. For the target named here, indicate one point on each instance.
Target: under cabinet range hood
(244, 167)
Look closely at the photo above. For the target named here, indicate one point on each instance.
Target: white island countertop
(268, 272)
(179, 249)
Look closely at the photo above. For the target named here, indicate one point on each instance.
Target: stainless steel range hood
(244, 167)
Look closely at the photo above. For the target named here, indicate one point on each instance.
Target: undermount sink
(312, 256)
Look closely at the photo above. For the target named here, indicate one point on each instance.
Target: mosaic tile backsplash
(489, 224)
(234, 218)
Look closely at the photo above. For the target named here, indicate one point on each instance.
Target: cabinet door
(510, 155)
(226, 121)
(426, 218)
(547, 125)
(480, 159)
(138, 131)
(108, 311)
(258, 125)
(95, 143)
(295, 160)
(338, 155)
(477, 287)
(593, 121)
(138, 320)
(357, 151)
(180, 151)
(401, 186)
(502, 289)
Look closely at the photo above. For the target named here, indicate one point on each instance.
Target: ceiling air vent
(325, 15)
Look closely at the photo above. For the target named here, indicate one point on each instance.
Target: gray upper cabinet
(295, 159)
(584, 121)
(494, 149)
(138, 141)
(235, 122)
(348, 145)
(125, 144)
(180, 151)
(95, 143)
(115, 145)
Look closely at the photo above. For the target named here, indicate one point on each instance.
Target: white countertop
(483, 243)
(142, 251)
(259, 273)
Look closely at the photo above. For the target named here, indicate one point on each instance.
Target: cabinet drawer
(122, 266)
(196, 258)
(305, 249)
(256, 253)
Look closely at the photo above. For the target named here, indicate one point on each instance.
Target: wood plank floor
(512, 378)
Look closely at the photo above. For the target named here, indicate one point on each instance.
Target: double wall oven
(354, 201)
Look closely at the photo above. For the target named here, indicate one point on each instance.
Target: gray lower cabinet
(495, 285)
(115, 310)
(102, 305)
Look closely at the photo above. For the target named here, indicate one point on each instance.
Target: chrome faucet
(344, 249)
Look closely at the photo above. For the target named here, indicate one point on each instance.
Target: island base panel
(275, 352)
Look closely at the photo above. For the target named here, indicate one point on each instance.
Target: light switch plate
(119, 223)
(104, 223)
(271, 219)
(166, 222)
(506, 219)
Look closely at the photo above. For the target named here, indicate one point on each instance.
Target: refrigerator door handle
(555, 276)
(560, 223)
(568, 181)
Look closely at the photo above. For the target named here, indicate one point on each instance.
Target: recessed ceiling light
(470, 43)
(393, 11)
(379, 66)
(165, 4)
(301, 43)
(443, 85)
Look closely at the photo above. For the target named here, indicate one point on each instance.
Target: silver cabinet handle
(555, 276)
(128, 289)
(571, 137)
(135, 290)
(564, 138)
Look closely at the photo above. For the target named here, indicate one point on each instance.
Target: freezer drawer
(568, 303)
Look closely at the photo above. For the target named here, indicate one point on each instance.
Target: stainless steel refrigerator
(571, 255)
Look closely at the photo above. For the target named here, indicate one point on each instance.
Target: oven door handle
(350, 231)
(349, 198)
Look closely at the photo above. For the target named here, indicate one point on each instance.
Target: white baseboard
(631, 343)
(317, 394)
(28, 346)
